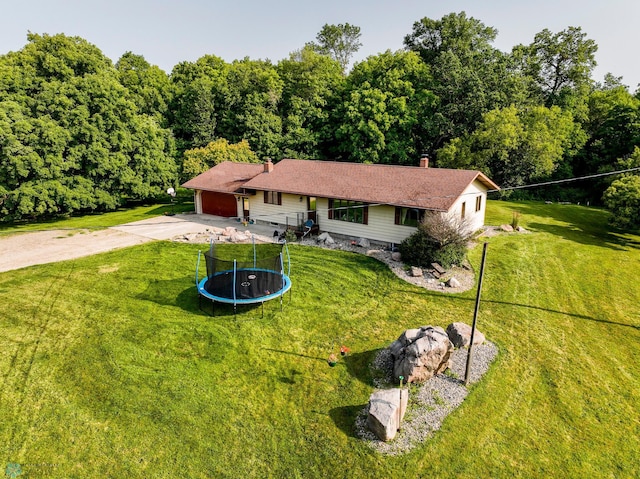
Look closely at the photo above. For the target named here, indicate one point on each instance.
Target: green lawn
(100, 221)
(109, 368)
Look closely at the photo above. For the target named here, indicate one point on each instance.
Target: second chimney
(424, 161)
(268, 165)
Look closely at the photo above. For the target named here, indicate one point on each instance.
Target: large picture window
(273, 197)
(408, 216)
(351, 211)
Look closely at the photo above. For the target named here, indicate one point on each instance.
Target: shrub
(439, 239)
(290, 236)
(622, 198)
(515, 220)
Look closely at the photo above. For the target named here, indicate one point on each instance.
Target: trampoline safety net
(255, 276)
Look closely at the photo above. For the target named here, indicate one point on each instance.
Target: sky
(168, 32)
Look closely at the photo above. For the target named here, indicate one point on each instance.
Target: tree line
(78, 133)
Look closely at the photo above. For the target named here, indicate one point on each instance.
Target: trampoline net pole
(253, 240)
(234, 285)
(198, 268)
(281, 271)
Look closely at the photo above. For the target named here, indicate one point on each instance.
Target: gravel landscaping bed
(429, 403)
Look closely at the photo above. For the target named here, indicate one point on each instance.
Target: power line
(475, 193)
(566, 180)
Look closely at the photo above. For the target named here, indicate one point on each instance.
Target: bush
(622, 198)
(290, 236)
(439, 239)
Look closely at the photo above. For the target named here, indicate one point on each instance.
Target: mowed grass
(110, 369)
(99, 221)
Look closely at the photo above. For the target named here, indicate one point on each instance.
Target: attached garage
(216, 191)
(219, 204)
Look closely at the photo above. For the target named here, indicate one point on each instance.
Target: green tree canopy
(199, 101)
(70, 137)
(312, 84)
(384, 112)
(150, 86)
(340, 42)
(622, 197)
(515, 146)
(199, 160)
(470, 76)
(560, 66)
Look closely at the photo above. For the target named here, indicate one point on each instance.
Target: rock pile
(420, 355)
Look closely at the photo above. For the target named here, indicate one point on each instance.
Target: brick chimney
(268, 165)
(424, 161)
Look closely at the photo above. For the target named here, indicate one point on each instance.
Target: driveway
(28, 249)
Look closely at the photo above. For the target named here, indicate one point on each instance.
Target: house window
(408, 216)
(351, 211)
(478, 203)
(273, 197)
(463, 213)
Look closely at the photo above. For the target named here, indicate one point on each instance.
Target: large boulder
(416, 272)
(325, 238)
(228, 231)
(460, 335)
(453, 282)
(363, 243)
(386, 412)
(420, 354)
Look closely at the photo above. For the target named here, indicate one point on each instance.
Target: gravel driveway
(26, 249)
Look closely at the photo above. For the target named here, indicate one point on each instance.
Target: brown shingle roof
(226, 177)
(428, 188)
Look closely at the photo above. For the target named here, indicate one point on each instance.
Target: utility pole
(475, 315)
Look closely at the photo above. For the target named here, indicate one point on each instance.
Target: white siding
(265, 212)
(381, 218)
(380, 225)
(469, 198)
(197, 199)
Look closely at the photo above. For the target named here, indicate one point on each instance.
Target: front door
(311, 208)
(245, 208)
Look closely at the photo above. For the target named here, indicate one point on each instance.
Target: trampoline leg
(263, 309)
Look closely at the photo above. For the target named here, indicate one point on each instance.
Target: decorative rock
(520, 229)
(453, 282)
(228, 231)
(363, 243)
(325, 238)
(416, 272)
(419, 354)
(460, 335)
(507, 228)
(238, 237)
(386, 412)
(396, 256)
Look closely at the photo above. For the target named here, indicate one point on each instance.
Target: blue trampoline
(257, 277)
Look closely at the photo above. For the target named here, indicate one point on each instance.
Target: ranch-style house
(382, 203)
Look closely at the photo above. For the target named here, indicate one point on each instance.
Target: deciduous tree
(340, 42)
(70, 137)
(387, 102)
(199, 160)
